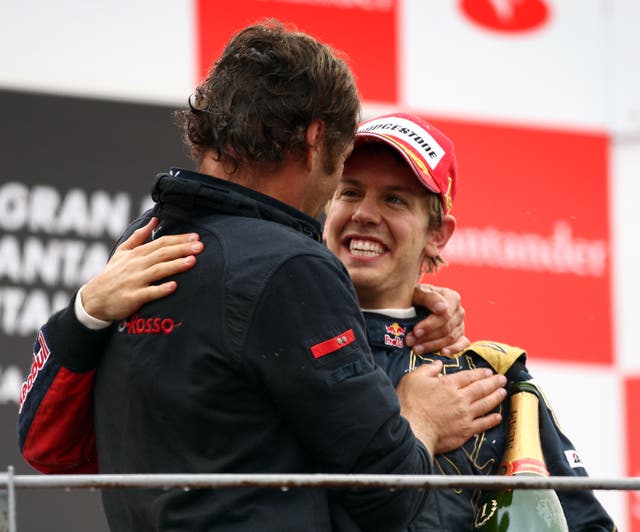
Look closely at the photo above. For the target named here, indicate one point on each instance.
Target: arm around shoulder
(55, 417)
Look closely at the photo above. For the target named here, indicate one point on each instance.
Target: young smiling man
(381, 224)
(388, 222)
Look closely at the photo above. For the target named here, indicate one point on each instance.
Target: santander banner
(530, 254)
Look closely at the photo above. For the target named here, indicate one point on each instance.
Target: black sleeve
(55, 415)
(315, 361)
(77, 347)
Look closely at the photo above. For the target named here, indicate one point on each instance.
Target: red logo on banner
(507, 15)
(632, 400)
(365, 31)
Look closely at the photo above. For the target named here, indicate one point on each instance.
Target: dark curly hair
(257, 101)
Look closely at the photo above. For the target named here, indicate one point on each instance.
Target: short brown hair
(257, 101)
(436, 220)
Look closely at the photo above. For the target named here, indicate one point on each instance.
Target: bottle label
(524, 466)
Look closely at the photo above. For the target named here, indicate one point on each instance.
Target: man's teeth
(365, 248)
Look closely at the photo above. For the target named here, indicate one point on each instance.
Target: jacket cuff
(75, 346)
(84, 317)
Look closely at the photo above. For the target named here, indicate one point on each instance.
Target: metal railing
(9, 483)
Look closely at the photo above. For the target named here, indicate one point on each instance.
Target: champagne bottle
(522, 510)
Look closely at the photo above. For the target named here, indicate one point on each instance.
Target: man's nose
(366, 212)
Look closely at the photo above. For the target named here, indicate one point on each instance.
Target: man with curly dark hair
(259, 363)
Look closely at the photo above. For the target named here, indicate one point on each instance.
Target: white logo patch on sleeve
(573, 458)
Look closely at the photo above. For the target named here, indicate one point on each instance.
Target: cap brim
(423, 175)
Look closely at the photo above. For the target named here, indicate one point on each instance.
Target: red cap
(428, 151)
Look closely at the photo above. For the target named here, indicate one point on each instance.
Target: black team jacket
(259, 363)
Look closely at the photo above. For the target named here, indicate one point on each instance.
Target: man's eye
(396, 200)
(347, 193)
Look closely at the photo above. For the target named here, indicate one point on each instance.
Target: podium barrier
(9, 483)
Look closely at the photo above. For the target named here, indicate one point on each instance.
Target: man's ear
(315, 133)
(438, 238)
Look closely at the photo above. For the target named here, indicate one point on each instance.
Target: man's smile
(364, 247)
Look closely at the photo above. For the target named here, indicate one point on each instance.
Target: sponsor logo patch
(333, 344)
(573, 458)
(394, 336)
(39, 359)
(410, 138)
(139, 325)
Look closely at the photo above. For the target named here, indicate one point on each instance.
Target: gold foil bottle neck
(523, 452)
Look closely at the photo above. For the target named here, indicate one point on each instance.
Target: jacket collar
(388, 331)
(189, 189)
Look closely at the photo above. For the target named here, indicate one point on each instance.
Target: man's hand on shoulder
(444, 411)
(126, 282)
(443, 329)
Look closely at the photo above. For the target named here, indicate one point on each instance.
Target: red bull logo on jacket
(394, 335)
(39, 359)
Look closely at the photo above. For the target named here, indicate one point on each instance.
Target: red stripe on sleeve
(333, 344)
(61, 438)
